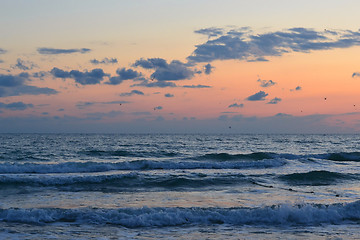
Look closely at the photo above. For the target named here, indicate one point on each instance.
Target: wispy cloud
(196, 86)
(54, 51)
(266, 83)
(275, 100)
(133, 92)
(236, 105)
(82, 105)
(169, 95)
(23, 65)
(2, 51)
(104, 61)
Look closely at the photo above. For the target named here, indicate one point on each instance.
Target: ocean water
(149, 186)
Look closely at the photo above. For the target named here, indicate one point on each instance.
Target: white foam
(306, 214)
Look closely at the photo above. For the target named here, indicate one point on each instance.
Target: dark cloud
(2, 51)
(208, 69)
(158, 108)
(236, 105)
(15, 106)
(242, 44)
(23, 65)
(123, 74)
(15, 85)
(61, 109)
(173, 71)
(169, 95)
(133, 92)
(275, 100)
(1, 61)
(196, 86)
(11, 80)
(53, 51)
(259, 96)
(95, 76)
(356, 74)
(104, 61)
(266, 83)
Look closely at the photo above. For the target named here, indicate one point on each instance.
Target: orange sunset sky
(180, 66)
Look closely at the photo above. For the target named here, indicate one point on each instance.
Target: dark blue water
(103, 186)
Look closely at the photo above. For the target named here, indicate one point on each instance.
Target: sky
(166, 66)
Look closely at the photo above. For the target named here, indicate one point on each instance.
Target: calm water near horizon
(179, 186)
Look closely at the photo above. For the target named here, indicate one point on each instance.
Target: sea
(179, 186)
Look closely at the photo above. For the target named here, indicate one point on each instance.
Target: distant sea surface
(104, 186)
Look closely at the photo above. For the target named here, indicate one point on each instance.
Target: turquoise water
(103, 186)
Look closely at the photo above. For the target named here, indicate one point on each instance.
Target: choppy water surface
(93, 186)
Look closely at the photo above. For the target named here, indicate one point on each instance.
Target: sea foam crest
(307, 214)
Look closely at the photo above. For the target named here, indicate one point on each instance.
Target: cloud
(266, 83)
(150, 84)
(173, 71)
(104, 61)
(298, 88)
(242, 44)
(210, 32)
(274, 100)
(208, 69)
(235, 105)
(23, 65)
(54, 51)
(123, 74)
(158, 108)
(169, 95)
(82, 105)
(16, 106)
(259, 96)
(196, 86)
(95, 76)
(15, 85)
(133, 92)
(2, 51)
(40, 74)
(356, 74)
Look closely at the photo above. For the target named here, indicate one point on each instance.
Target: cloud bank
(244, 44)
